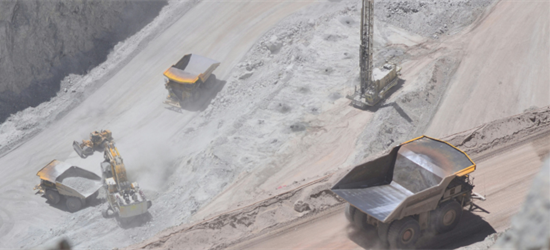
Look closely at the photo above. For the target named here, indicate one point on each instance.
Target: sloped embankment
(315, 197)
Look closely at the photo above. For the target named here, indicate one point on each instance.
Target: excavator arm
(117, 166)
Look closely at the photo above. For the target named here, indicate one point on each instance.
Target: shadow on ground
(471, 229)
(382, 103)
(136, 221)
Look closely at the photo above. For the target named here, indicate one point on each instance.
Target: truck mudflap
(411, 178)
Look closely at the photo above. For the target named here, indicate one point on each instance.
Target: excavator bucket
(82, 151)
(97, 139)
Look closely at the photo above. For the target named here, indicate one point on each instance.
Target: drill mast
(365, 61)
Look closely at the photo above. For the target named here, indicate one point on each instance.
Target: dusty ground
(505, 70)
(311, 217)
(129, 102)
(279, 120)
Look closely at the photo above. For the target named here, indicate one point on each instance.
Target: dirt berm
(314, 198)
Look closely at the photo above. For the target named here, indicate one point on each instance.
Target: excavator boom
(117, 166)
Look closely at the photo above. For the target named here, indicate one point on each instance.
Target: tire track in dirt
(6, 223)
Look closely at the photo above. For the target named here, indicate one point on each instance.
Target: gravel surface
(82, 185)
(305, 216)
(531, 225)
(278, 119)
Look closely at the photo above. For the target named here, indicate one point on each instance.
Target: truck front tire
(447, 216)
(52, 196)
(404, 233)
(349, 211)
(360, 219)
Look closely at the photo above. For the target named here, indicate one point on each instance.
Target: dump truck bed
(410, 179)
(70, 180)
(191, 68)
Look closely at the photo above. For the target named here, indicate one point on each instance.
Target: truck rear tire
(349, 211)
(360, 219)
(447, 216)
(52, 196)
(404, 233)
(73, 204)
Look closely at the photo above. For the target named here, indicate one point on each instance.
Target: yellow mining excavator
(125, 199)
(184, 79)
(374, 84)
(96, 142)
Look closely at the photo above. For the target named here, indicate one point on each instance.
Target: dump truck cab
(419, 185)
(183, 79)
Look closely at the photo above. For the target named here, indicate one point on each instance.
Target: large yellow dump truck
(60, 180)
(421, 185)
(184, 79)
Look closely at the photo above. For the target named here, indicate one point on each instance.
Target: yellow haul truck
(125, 199)
(421, 185)
(184, 79)
(60, 180)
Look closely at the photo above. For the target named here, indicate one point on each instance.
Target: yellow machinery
(185, 78)
(419, 186)
(375, 83)
(62, 180)
(125, 198)
(96, 142)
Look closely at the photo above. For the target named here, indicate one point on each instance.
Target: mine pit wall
(315, 198)
(41, 42)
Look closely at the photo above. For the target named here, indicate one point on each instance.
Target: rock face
(531, 226)
(43, 41)
(431, 18)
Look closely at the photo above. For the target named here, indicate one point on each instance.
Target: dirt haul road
(130, 105)
(311, 216)
(505, 70)
(498, 177)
